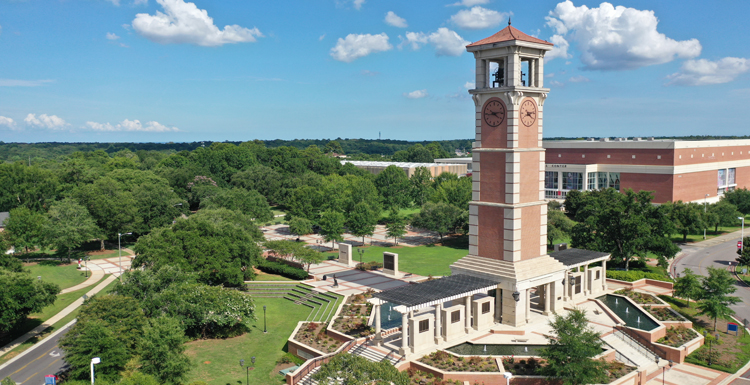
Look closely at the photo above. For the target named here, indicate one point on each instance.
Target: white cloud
(555, 83)
(112, 36)
(7, 122)
(418, 94)
(23, 83)
(468, 3)
(140, 2)
(131, 125)
(115, 2)
(185, 23)
(358, 4)
(478, 18)
(703, 72)
(52, 122)
(445, 42)
(559, 50)
(617, 38)
(578, 79)
(356, 46)
(469, 85)
(392, 19)
(321, 37)
(369, 73)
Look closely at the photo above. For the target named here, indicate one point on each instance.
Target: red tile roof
(508, 34)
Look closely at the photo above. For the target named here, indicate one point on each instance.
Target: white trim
(405, 309)
(648, 169)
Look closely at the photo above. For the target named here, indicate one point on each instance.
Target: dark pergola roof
(578, 257)
(432, 292)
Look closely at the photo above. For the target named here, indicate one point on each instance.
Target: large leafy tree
(111, 206)
(421, 185)
(162, 352)
(688, 285)
(687, 217)
(22, 295)
(300, 226)
(571, 349)
(356, 370)
(122, 315)
(740, 198)
(395, 226)
(249, 202)
(28, 186)
(263, 179)
(362, 220)
(623, 224)
(69, 225)
(94, 339)
(25, 228)
(393, 185)
(332, 225)
(716, 298)
(440, 217)
(724, 214)
(559, 226)
(456, 192)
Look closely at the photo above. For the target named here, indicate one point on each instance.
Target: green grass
(224, 355)
(64, 276)
(710, 233)
(270, 277)
(402, 212)
(423, 260)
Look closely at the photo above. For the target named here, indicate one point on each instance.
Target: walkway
(101, 267)
(379, 238)
(353, 281)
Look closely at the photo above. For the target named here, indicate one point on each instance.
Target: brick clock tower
(508, 213)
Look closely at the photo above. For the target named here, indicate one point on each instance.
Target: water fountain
(485, 348)
(525, 348)
(615, 301)
(639, 320)
(626, 310)
(389, 317)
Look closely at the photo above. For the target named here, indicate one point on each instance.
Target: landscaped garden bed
(418, 377)
(313, 334)
(353, 326)
(356, 310)
(523, 367)
(663, 313)
(361, 298)
(447, 362)
(678, 336)
(639, 298)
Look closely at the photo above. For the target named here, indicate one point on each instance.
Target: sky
(178, 71)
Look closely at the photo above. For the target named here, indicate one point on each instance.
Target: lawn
(261, 276)
(402, 212)
(54, 271)
(709, 234)
(217, 361)
(423, 260)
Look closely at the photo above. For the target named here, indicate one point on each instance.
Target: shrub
(278, 268)
(634, 275)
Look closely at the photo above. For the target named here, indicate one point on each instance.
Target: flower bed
(448, 362)
(361, 298)
(677, 336)
(616, 369)
(663, 313)
(530, 367)
(314, 335)
(418, 377)
(639, 298)
(355, 327)
(356, 310)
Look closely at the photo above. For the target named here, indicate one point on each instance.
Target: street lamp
(119, 252)
(508, 376)
(264, 320)
(94, 361)
(704, 214)
(361, 253)
(664, 370)
(248, 368)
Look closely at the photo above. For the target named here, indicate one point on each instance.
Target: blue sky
(170, 70)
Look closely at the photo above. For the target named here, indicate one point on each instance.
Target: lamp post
(264, 320)
(508, 376)
(361, 254)
(86, 259)
(704, 214)
(248, 368)
(119, 252)
(664, 370)
(94, 361)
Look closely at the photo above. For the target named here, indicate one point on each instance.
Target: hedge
(284, 270)
(634, 275)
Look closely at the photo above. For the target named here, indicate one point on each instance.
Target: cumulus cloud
(7, 122)
(392, 19)
(321, 37)
(52, 122)
(468, 3)
(578, 79)
(617, 38)
(112, 36)
(418, 94)
(469, 85)
(358, 4)
(23, 83)
(355, 46)
(559, 50)
(131, 125)
(183, 22)
(703, 72)
(445, 42)
(555, 83)
(478, 18)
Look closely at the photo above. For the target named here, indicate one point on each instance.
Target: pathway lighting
(264, 320)
(248, 368)
(94, 361)
(119, 252)
(664, 370)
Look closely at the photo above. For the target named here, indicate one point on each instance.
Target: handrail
(309, 365)
(642, 345)
(619, 356)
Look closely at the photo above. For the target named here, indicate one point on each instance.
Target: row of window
(424, 325)
(574, 180)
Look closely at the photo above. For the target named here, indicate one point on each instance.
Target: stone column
(404, 333)
(527, 298)
(586, 286)
(438, 323)
(604, 275)
(498, 307)
(547, 299)
(467, 314)
(378, 333)
(565, 285)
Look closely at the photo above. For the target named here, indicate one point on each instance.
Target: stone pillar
(378, 333)
(527, 305)
(438, 323)
(404, 333)
(604, 275)
(565, 285)
(498, 306)
(547, 298)
(467, 313)
(586, 285)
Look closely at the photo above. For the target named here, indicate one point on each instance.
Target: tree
(740, 198)
(356, 370)
(162, 352)
(361, 221)
(24, 228)
(688, 286)
(395, 226)
(623, 224)
(571, 349)
(300, 226)
(144, 285)
(456, 192)
(69, 225)
(262, 179)
(308, 256)
(332, 225)
(725, 214)
(744, 253)
(249, 202)
(94, 339)
(21, 296)
(559, 226)
(393, 186)
(440, 217)
(7, 381)
(111, 206)
(421, 185)
(715, 299)
(333, 147)
(122, 315)
(687, 217)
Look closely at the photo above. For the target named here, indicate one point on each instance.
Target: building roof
(578, 257)
(369, 163)
(436, 291)
(509, 33)
(3, 216)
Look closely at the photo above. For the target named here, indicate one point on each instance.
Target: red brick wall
(617, 156)
(492, 177)
(491, 232)
(530, 231)
(661, 184)
(742, 177)
(711, 154)
(529, 177)
(695, 185)
(494, 137)
(528, 136)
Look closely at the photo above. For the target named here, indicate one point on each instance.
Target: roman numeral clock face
(528, 113)
(494, 113)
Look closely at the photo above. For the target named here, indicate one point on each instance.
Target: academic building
(690, 171)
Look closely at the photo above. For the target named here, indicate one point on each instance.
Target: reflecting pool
(469, 349)
(633, 316)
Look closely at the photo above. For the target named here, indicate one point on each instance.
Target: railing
(555, 194)
(620, 357)
(310, 365)
(633, 341)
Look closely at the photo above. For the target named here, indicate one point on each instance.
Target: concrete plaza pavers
(413, 238)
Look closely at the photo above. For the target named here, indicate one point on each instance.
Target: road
(44, 358)
(699, 257)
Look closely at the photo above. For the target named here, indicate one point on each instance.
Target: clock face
(494, 113)
(528, 113)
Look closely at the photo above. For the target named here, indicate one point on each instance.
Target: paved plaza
(353, 281)
(412, 238)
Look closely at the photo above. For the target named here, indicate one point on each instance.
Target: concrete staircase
(373, 355)
(635, 353)
(269, 290)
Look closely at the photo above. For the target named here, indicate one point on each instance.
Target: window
(456, 316)
(424, 325)
(597, 274)
(614, 180)
(573, 181)
(722, 178)
(550, 180)
(578, 285)
(592, 181)
(731, 176)
(485, 308)
(602, 180)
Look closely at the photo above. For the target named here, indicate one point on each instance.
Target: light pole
(361, 254)
(664, 370)
(119, 252)
(508, 376)
(704, 215)
(264, 320)
(248, 369)
(94, 361)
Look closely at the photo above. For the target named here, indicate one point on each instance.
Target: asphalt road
(698, 259)
(43, 359)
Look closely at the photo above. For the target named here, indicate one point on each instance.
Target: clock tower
(508, 213)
